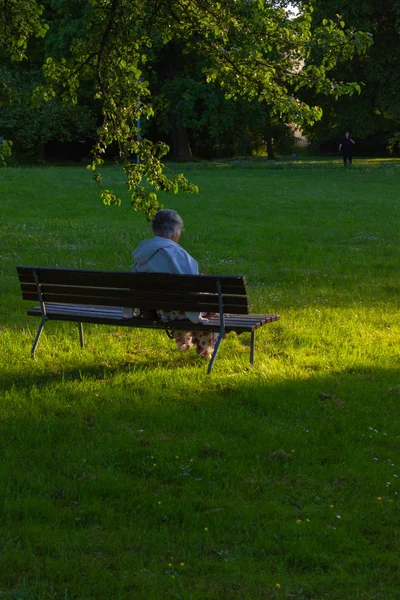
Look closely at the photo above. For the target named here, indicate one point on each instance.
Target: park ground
(127, 472)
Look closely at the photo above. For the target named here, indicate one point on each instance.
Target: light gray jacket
(162, 255)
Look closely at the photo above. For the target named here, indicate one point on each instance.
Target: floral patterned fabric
(203, 341)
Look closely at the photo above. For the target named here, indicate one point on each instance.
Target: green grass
(127, 472)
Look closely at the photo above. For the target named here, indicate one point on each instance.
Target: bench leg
(252, 347)
(214, 356)
(81, 338)
(39, 332)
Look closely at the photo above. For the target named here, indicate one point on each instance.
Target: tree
(195, 117)
(252, 49)
(32, 127)
(376, 111)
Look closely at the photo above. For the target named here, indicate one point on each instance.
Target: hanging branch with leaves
(253, 50)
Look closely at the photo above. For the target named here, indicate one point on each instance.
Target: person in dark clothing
(346, 147)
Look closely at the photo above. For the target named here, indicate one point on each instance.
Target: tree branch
(113, 11)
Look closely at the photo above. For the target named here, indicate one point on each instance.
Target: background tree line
(373, 116)
(205, 80)
(192, 116)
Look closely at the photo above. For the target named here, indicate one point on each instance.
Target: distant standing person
(346, 147)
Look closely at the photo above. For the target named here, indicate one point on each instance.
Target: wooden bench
(84, 296)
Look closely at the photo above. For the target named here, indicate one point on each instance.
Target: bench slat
(238, 305)
(84, 310)
(113, 316)
(129, 280)
(29, 292)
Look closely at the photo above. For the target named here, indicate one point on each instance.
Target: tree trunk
(180, 147)
(268, 141)
(268, 136)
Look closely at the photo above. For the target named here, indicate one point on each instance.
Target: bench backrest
(201, 293)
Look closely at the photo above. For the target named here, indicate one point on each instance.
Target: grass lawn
(127, 473)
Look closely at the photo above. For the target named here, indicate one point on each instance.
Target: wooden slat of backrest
(47, 290)
(144, 299)
(206, 283)
(29, 292)
(149, 281)
(144, 290)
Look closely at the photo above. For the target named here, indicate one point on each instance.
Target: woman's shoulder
(182, 259)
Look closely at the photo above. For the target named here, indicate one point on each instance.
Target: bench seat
(112, 315)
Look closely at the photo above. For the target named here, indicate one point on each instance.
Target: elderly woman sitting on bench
(163, 254)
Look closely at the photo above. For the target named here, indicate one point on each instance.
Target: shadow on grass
(252, 459)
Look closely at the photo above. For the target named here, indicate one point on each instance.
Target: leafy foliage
(5, 151)
(199, 120)
(252, 50)
(376, 111)
(32, 124)
(394, 143)
(20, 20)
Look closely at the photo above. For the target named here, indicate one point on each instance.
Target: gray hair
(167, 223)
